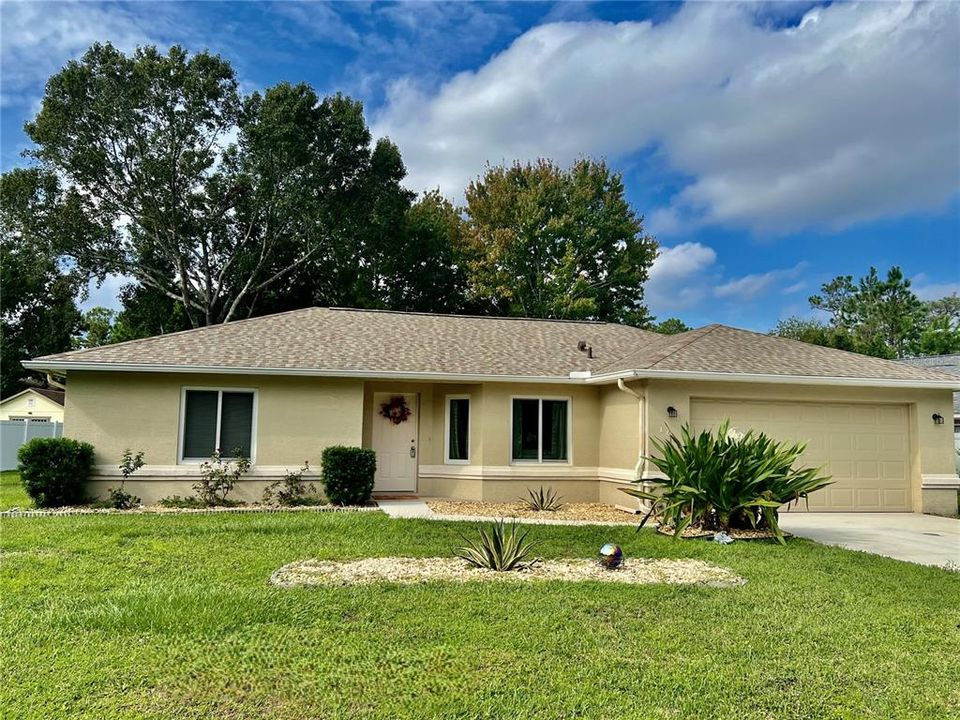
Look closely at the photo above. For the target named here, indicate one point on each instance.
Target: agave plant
(543, 500)
(502, 547)
(725, 480)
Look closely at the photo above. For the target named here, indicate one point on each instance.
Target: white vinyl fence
(14, 433)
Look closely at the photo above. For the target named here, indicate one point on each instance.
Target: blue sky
(770, 146)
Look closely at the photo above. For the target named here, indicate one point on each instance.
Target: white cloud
(38, 38)
(851, 115)
(935, 291)
(749, 287)
(677, 278)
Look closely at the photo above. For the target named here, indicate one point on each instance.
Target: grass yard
(12, 493)
(171, 617)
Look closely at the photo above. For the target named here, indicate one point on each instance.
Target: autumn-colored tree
(544, 241)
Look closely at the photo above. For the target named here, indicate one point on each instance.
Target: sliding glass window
(540, 430)
(217, 419)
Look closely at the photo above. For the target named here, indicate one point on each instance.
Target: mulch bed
(695, 533)
(582, 512)
(406, 570)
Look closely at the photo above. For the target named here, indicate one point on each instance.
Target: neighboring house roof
(371, 343)
(943, 363)
(56, 396)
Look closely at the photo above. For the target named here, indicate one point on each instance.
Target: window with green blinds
(217, 419)
(540, 430)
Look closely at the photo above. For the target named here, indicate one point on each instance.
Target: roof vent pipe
(584, 348)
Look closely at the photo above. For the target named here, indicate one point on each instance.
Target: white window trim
(540, 460)
(447, 460)
(183, 416)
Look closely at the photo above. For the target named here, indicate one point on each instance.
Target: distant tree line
(879, 316)
(221, 206)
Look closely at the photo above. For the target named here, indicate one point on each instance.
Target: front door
(395, 445)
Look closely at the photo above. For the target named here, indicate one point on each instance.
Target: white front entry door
(396, 446)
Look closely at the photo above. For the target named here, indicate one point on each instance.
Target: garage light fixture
(672, 411)
(937, 419)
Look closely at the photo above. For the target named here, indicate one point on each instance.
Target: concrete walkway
(413, 508)
(922, 539)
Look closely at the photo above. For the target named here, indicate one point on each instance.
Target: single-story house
(34, 405)
(483, 408)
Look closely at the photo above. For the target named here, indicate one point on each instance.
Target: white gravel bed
(160, 510)
(531, 520)
(641, 571)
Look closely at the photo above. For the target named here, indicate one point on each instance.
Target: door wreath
(397, 410)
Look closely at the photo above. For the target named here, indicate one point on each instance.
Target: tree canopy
(543, 241)
(879, 316)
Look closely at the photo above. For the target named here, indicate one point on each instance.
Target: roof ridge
(700, 333)
(388, 311)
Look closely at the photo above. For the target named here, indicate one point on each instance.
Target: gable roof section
(56, 396)
(372, 343)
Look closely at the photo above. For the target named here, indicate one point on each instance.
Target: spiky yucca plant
(543, 500)
(723, 480)
(502, 547)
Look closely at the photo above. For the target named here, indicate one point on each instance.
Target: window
(956, 424)
(217, 419)
(540, 430)
(458, 429)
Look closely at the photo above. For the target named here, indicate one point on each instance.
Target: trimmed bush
(348, 474)
(54, 471)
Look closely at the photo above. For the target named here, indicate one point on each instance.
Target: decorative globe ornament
(611, 556)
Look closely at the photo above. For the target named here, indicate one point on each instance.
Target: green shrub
(725, 480)
(218, 476)
(502, 548)
(291, 490)
(543, 500)
(54, 471)
(348, 474)
(119, 498)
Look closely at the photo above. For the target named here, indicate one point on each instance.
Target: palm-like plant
(722, 480)
(502, 547)
(543, 500)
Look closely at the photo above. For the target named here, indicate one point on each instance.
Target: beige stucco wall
(21, 407)
(296, 419)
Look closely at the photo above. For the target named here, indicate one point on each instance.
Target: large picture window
(458, 429)
(217, 419)
(540, 429)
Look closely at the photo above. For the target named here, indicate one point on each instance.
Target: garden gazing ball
(611, 556)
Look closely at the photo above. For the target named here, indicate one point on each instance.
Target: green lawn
(12, 493)
(171, 617)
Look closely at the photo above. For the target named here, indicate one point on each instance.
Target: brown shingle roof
(381, 341)
(717, 348)
(365, 342)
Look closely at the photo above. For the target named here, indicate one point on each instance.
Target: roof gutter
(773, 379)
(61, 366)
(574, 378)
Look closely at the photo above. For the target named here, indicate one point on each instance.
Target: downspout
(641, 427)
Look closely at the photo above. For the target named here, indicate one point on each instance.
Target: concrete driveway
(923, 539)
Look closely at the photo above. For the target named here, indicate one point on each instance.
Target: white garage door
(863, 447)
